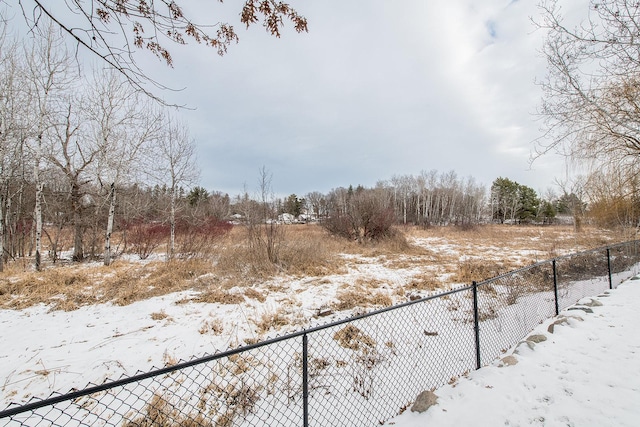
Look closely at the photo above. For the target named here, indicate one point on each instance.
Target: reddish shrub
(145, 237)
(195, 237)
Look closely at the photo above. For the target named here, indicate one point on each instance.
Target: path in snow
(587, 373)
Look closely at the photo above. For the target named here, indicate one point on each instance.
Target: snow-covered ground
(587, 373)
(45, 352)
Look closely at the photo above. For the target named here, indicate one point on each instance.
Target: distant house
(286, 218)
(237, 219)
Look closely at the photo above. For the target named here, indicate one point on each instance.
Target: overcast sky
(374, 89)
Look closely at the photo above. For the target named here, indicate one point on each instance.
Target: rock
(593, 303)
(560, 321)
(508, 361)
(323, 311)
(538, 338)
(424, 401)
(585, 309)
(563, 320)
(524, 344)
(635, 278)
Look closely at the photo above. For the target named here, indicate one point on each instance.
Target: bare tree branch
(115, 31)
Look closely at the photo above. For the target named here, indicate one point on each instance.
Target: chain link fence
(357, 372)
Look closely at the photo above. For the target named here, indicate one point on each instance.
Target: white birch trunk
(112, 213)
(172, 223)
(1, 234)
(404, 209)
(38, 220)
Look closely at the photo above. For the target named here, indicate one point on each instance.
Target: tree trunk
(1, 234)
(76, 206)
(112, 212)
(404, 209)
(172, 224)
(38, 219)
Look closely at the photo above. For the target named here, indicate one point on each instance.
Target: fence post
(609, 268)
(555, 286)
(476, 322)
(305, 383)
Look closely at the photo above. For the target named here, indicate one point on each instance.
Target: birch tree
(73, 153)
(50, 76)
(123, 124)
(12, 133)
(175, 160)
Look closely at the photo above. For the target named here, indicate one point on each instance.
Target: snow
(587, 373)
(582, 375)
(45, 351)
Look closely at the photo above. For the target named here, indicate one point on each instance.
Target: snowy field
(587, 373)
(365, 370)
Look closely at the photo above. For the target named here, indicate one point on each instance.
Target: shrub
(196, 237)
(364, 216)
(145, 237)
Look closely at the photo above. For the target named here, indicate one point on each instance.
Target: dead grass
(159, 315)
(397, 245)
(308, 251)
(271, 320)
(424, 282)
(360, 297)
(478, 270)
(63, 288)
(159, 412)
(353, 338)
(219, 296)
(509, 238)
(211, 326)
(70, 287)
(254, 294)
(153, 279)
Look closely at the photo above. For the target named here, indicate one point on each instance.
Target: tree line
(435, 198)
(70, 141)
(84, 151)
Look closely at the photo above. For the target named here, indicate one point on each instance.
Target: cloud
(374, 89)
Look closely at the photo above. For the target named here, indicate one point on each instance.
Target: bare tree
(614, 198)
(74, 153)
(362, 214)
(124, 124)
(592, 87)
(273, 233)
(50, 76)
(402, 188)
(265, 235)
(114, 30)
(573, 199)
(175, 160)
(13, 116)
(317, 202)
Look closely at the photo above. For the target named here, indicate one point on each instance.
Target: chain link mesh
(390, 357)
(625, 261)
(254, 387)
(510, 306)
(359, 372)
(581, 275)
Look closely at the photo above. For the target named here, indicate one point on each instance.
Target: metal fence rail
(356, 372)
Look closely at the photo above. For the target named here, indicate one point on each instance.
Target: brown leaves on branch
(272, 13)
(147, 21)
(114, 29)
